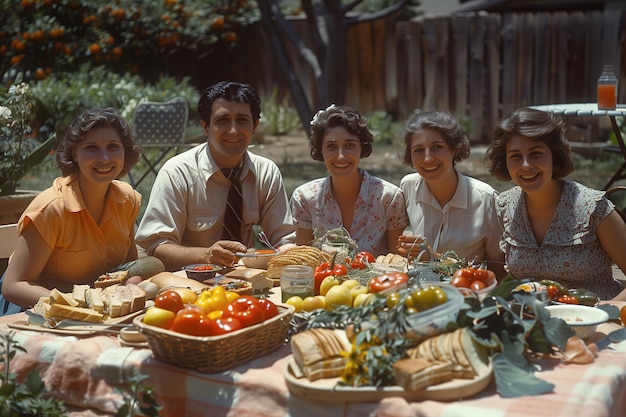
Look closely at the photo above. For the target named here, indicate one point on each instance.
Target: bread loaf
(317, 352)
(300, 255)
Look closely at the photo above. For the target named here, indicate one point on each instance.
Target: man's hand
(223, 252)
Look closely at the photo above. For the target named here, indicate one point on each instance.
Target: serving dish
(257, 258)
(202, 272)
(582, 319)
(37, 322)
(435, 320)
(327, 390)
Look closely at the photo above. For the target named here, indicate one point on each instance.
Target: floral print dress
(570, 252)
(379, 207)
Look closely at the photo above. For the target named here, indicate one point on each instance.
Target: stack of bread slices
(89, 304)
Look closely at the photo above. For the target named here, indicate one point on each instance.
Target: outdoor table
(591, 109)
(86, 370)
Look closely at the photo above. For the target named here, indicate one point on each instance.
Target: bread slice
(58, 297)
(418, 374)
(111, 278)
(79, 292)
(318, 352)
(468, 357)
(113, 301)
(94, 299)
(127, 299)
(61, 311)
(138, 297)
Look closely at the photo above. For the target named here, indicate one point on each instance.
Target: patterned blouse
(379, 207)
(570, 252)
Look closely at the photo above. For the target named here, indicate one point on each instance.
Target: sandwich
(320, 353)
(257, 277)
(417, 374)
(111, 278)
(240, 286)
(121, 300)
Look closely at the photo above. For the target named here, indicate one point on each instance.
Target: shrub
(62, 97)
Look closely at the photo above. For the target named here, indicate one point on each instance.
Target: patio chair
(159, 125)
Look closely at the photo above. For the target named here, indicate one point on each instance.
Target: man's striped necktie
(234, 204)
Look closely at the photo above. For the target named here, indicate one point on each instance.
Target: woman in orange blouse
(83, 225)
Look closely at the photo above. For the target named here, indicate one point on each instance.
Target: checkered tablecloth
(84, 371)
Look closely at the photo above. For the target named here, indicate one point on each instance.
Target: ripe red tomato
(192, 322)
(477, 285)
(169, 300)
(362, 259)
(622, 315)
(222, 325)
(388, 281)
(460, 282)
(269, 308)
(247, 309)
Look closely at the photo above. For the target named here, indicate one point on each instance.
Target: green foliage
(384, 128)
(278, 117)
(28, 398)
(141, 401)
(40, 37)
(19, 150)
(64, 96)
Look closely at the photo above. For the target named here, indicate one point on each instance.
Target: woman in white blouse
(452, 211)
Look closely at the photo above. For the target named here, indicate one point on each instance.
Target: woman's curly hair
(87, 121)
(536, 125)
(335, 116)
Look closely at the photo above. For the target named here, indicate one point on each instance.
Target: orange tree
(38, 37)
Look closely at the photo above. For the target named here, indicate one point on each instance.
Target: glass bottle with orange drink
(607, 89)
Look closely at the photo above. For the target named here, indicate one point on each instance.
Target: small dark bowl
(202, 272)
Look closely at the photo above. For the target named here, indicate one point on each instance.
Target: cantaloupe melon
(145, 267)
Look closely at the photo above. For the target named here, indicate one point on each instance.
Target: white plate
(327, 390)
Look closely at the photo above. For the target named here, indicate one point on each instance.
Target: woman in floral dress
(371, 209)
(554, 228)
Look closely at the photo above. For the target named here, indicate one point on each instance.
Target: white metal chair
(159, 125)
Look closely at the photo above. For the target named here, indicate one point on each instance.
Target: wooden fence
(479, 66)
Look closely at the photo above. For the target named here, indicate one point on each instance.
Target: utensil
(263, 238)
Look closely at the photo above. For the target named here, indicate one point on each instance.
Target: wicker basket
(218, 353)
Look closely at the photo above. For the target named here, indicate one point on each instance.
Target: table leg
(620, 141)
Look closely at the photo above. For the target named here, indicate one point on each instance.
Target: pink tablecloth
(85, 371)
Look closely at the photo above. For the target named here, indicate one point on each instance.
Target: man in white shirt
(184, 220)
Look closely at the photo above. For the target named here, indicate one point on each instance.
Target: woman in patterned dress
(554, 228)
(371, 209)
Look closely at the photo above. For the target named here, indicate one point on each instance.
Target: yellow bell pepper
(212, 299)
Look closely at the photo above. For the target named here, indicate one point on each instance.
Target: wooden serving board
(37, 323)
(327, 390)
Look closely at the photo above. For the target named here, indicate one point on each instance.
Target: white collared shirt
(467, 224)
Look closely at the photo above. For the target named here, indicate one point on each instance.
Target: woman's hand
(411, 246)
